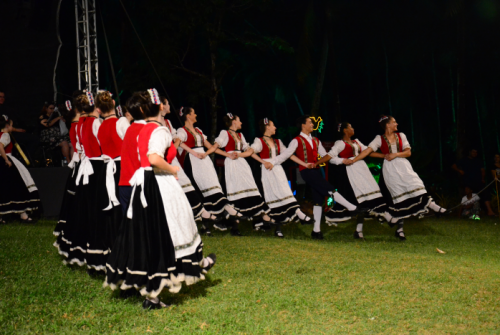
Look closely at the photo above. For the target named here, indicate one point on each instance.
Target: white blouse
(223, 140)
(339, 146)
(173, 132)
(159, 141)
(5, 139)
(257, 147)
(183, 136)
(95, 128)
(377, 143)
(121, 126)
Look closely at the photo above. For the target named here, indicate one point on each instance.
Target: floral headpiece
(119, 111)
(230, 115)
(383, 118)
(5, 117)
(339, 126)
(180, 111)
(153, 93)
(68, 105)
(104, 91)
(90, 96)
(266, 121)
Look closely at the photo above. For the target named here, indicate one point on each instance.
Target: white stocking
(318, 212)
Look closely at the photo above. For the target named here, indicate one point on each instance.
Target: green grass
(263, 285)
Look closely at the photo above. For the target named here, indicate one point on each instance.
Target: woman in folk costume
(199, 210)
(277, 193)
(307, 149)
(19, 193)
(110, 136)
(84, 237)
(69, 191)
(242, 191)
(129, 158)
(200, 169)
(402, 188)
(159, 245)
(354, 181)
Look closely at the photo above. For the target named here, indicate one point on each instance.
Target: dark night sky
(398, 57)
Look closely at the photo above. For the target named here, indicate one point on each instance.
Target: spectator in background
(3, 111)
(473, 175)
(470, 206)
(50, 133)
(495, 168)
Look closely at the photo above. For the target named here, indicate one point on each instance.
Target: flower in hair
(5, 117)
(180, 111)
(266, 121)
(339, 127)
(104, 91)
(383, 118)
(119, 111)
(153, 93)
(90, 96)
(230, 115)
(68, 105)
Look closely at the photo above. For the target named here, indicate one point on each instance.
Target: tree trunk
(462, 140)
(321, 77)
(438, 115)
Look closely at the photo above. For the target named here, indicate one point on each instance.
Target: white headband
(68, 105)
(119, 111)
(266, 121)
(180, 111)
(5, 117)
(230, 115)
(153, 93)
(338, 128)
(90, 96)
(383, 118)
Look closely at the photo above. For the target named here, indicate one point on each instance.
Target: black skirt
(213, 203)
(15, 198)
(143, 255)
(410, 207)
(339, 213)
(196, 204)
(285, 213)
(68, 200)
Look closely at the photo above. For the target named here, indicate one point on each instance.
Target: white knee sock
(341, 200)
(387, 216)
(435, 207)
(359, 228)
(318, 212)
(301, 214)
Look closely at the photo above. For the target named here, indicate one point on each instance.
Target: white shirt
(121, 126)
(257, 147)
(223, 140)
(475, 198)
(292, 147)
(377, 143)
(339, 146)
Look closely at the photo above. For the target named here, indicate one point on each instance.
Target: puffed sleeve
(363, 147)
(222, 139)
(95, 128)
(182, 135)
(376, 143)
(334, 152)
(5, 139)
(256, 145)
(121, 126)
(204, 136)
(173, 131)
(244, 143)
(404, 140)
(159, 142)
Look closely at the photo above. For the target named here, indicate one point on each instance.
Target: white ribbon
(110, 181)
(85, 170)
(75, 159)
(137, 180)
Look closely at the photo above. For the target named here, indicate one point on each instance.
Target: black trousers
(321, 188)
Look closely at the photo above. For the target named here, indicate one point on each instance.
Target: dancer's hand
(175, 169)
(347, 161)
(390, 157)
(8, 163)
(311, 165)
(268, 165)
(202, 155)
(234, 155)
(199, 155)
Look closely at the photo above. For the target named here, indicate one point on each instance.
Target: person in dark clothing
(473, 174)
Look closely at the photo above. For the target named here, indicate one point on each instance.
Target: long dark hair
(340, 129)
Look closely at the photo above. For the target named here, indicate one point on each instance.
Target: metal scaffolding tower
(86, 42)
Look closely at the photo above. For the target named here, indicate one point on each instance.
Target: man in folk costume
(306, 148)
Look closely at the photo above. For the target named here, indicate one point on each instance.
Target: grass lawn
(263, 285)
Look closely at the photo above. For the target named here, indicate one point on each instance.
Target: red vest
(385, 148)
(191, 141)
(143, 145)
(129, 157)
(8, 148)
(231, 144)
(348, 151)
(266, 149)
(72, 134)
(88, 140)
(111, 143)
(305, 152)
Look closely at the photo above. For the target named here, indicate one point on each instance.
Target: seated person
(50, 132)
(470, 206)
